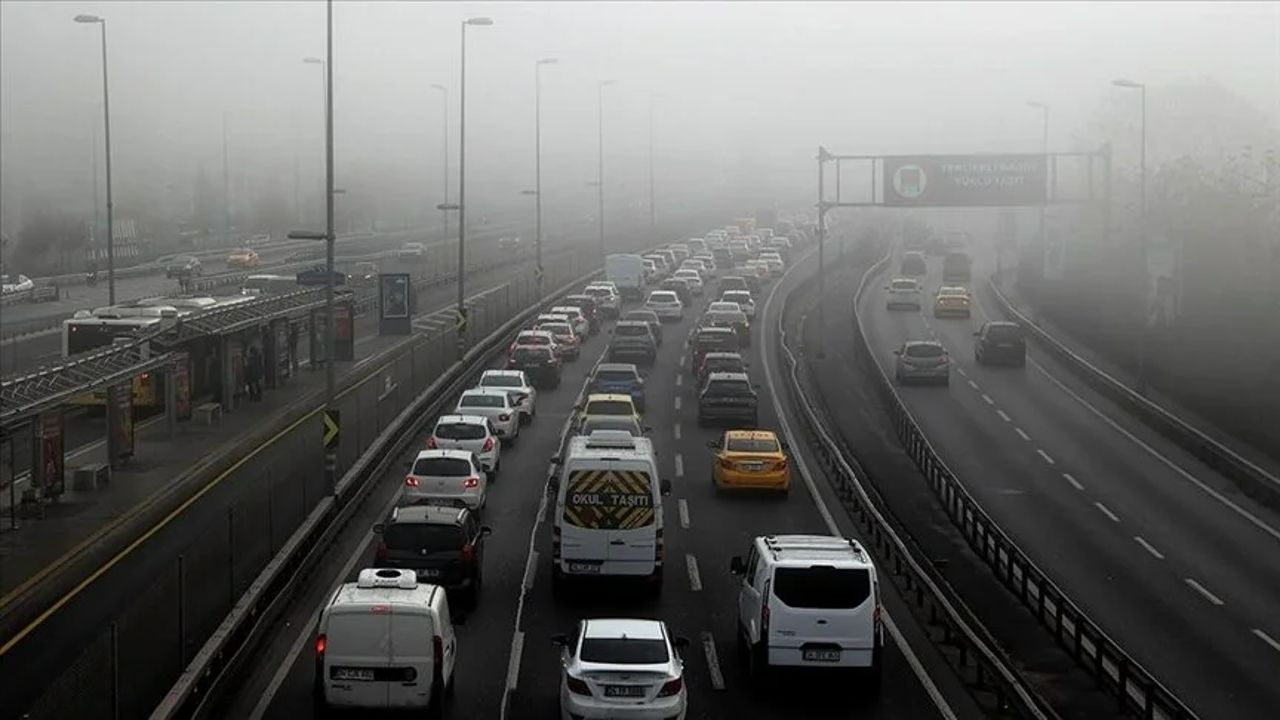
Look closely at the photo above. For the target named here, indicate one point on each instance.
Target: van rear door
(828, 618)
(584, 534)
(411, 659)
(357, 651)
(635, 514)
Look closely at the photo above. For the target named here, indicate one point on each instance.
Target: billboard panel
(964, 180)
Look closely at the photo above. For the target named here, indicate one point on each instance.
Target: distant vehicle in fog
(956, 267)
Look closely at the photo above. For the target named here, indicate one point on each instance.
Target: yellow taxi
(951, 300)
(750, 459)
(243, 257)
(615, 404)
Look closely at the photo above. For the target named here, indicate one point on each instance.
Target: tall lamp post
(444, 151)
(1142, 229)
(537, 169)
(600, 168)
(462, 180)
(106, 122)
(1044, 150)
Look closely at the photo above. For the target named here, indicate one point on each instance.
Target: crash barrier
(982, 666)
(1135, 689)
(207, 556)
(1253, 480)
(214, 668)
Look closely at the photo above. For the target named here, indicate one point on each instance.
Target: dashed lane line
(1074, 482)
(679, 380)
(679, 465)
(987, 399)
(1264, 637)
(1203, 591)
(1106, 511)
(961, 371)
(695, 579)
(675, 430)
(1044, 455)
(973, 385)
(713, 660)
(683, 506)
(1022, 434)
(1004, 416)
(677, 403)
(1148, 547)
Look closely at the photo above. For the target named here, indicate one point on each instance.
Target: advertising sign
(182, 385)
(120, 423)
(964, 180)
(52, 462)
(395, 306)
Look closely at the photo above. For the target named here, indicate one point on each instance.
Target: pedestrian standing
(253, 373)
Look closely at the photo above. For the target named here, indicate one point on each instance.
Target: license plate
(821, 655)
(365, 674)
(587, 568)
(624, 691)
(429, 573)
(753, 466)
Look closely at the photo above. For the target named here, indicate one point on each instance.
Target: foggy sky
(748, 90)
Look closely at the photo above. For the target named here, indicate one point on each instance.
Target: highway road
(1168, 556)
(506, 657)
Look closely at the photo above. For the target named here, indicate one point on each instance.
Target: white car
(446, 476)
(622, 668)
(497, 405)
(708, 265)
(526, 401)
(537, 338)
(13, 284)
(902, 292)
(665, 304)
(472, 433)
(693, 278)
(723, 306)
(413, 249)
(775, 263)
(581, 326)
(744, 300)
(606, 296)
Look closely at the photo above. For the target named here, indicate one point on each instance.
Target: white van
(607, 520)
(626, 272)
(808, 601)
(384, 641)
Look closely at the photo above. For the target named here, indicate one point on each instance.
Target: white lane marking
(513, 665)
(675, 430)
(987, 399)
(973, 385)
(962, 372)
(307, 628)
(1107, 511)
(713, 660)
(1253, 519)
(1044, 455)
(930, 688)
(677, 404)
(1148, 547)
(679, 379)
(683, 506)
(1022, 434)
(682, 359)
(695, 580)
(1264, 637)
(1003, 415)
(679, 465)
(530, 570)
(1205, 593)
(1073, 481)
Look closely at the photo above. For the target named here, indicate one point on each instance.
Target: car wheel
(493, 474)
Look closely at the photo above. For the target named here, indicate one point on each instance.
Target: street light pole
(1142, 230)
(537, 168)
(462, 180)
(106, 122)
(444, 150)
(600, 168)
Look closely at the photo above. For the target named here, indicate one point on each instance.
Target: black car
(680, 288)
(589, 308)
(913, 264)
(1000, 342)
(182, 265)
(539, 364)
(711, 339)
(443, 544)
(720, 362)
(728, 397)
(647, 316)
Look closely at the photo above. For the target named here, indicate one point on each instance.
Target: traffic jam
(804, 602)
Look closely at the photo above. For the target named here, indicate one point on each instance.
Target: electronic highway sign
(964, 180)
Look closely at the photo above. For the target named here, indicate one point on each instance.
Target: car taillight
(431, 443)
(321, 643)
(671, 687)
(410, 481)
(943, 360)
(380, 554)
(468, 553)
(504, 417)
(488, 445)
(577, 686)
(782, 464)
(471, 482)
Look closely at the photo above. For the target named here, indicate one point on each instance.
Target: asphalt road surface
(1168, 556)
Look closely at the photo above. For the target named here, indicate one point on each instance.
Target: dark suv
(633, 340)
(720, 362)
(539, 363)
(728, 396)
(711, 339)
(589, 309)
(443, 544)
(1000, 342)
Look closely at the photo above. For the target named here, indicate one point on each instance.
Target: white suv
(810, 601)
(526, 401)
(446, 477)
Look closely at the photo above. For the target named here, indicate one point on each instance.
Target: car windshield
(533, 340)
(722, 307)
(623, 651)
(615, 376)
(599, 291)
(460, 431)
(924, 351)
(822, 588)
(609, 407)
(485, 400)
(725, 365)
(728, 388)
(751, 445)
(616, 422)
(506, 381)
(631, 331)
(422, 536)
(717, 339)
(904, 285)
(442, 466)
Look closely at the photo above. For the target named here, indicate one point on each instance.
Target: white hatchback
(498, 405)
(692, 277)
(665, 304)
(744, 300)
(526, 401)
(579, 321)
(446, 476)
(622, 668)
(472, 433)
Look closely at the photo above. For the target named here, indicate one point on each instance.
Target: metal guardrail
(1135, 689)
(985, 670)
(1252, 479)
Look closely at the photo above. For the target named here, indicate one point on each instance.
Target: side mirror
(786, 447)
(560, 639)
(681, 642)
(713, 444)
(665, 487)
(377, 528)
(486, 530)
(737, 566)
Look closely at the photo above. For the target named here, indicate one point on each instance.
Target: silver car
(495, 404)
(514, 380)
(922, 360)
(446, 476)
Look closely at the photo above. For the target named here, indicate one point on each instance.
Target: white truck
(626, 272)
